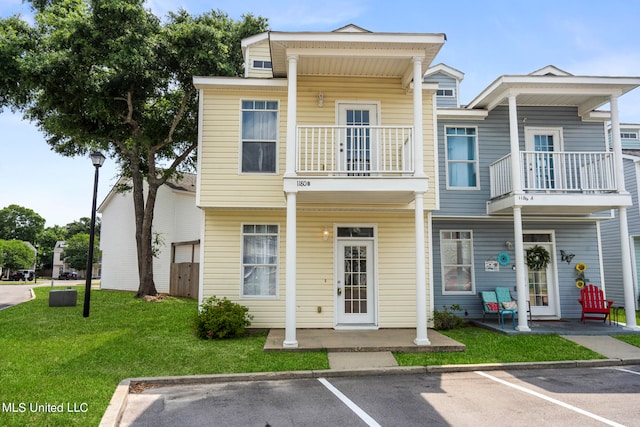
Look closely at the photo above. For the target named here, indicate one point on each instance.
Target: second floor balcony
(360, 164)
(557, 183)
(353, 151)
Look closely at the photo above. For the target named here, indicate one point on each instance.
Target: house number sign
(303, 183)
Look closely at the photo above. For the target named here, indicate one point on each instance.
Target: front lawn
(54, 356)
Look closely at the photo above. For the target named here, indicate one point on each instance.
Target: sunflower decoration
(581, 267)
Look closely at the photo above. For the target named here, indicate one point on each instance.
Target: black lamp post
(98, 159)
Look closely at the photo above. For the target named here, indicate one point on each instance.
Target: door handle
(339, 291)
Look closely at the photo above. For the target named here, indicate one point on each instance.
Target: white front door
(355, 283)
(543, 288)
(544, 168)
(357, 153)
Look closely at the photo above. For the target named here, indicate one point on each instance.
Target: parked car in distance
(69, 275)
(23, 275)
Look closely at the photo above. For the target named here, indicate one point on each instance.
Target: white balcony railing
(354, 150)
(556, 172)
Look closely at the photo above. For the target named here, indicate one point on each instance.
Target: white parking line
(355, 408)
(627, 370)
(550, 399)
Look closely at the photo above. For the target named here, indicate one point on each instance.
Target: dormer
(257, 56)
(448, 80)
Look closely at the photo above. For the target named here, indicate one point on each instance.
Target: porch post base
(631, 328)
(422, 341)
(523, 328)
(290, 344)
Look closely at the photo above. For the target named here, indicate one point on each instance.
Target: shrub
(446, 319)
(221, 318)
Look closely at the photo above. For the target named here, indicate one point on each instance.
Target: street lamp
(98, 159)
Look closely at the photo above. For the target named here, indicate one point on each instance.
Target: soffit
(586, 93)
(353, 54)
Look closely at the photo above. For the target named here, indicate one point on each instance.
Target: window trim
(276, 141)
(476, 161)
(261, 64)
(242, 264)
(472, 270)
(629, 135)
(444, 92)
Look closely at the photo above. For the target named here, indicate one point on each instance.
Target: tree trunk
(144, 223)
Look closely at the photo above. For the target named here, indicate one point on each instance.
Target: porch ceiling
(586, 93)
(353, 54)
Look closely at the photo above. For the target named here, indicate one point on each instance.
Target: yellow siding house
(316, 177)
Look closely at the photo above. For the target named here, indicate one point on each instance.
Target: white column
(516, 182)
(516, 188)
(521, 269)
(627, 272)
(625, 250)
(292, 101)
(418, 137)
(421, 275)
(290, 340)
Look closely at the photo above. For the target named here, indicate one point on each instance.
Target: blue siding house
(612, 239)
(527, 165)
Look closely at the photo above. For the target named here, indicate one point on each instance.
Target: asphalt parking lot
(540, 397)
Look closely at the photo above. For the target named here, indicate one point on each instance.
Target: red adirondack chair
(594, 306)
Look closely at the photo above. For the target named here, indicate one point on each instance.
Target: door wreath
(538, 257)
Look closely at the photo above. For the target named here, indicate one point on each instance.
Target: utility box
(63, 298)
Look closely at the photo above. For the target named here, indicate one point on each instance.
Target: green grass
(630, 339)
(489, 347)
(53, 355)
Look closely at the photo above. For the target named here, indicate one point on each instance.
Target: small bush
(446, 319)
(221, 318)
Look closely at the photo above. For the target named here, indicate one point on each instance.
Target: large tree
(20, 223)
(109, 75)
(75, 253)
(16, 255)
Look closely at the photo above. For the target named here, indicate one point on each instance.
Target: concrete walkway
(607, 346)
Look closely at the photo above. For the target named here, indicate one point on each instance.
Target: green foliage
(53, 354)
(46, 243)
(75, 253)
(128, 87)
(447, 319)
(20, 223)
(16, 255)
(221, 318)
(83, 225)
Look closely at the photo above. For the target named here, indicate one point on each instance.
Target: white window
(262, 64)
(259, 136)
(259, 260)
(456, 257)
(629, 135)
(461, 151)
(445, 92)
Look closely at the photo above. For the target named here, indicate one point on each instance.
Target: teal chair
(503, 296)
(489, 303)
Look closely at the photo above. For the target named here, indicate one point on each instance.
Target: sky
(485, 39)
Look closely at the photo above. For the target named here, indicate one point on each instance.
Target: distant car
(69, 275)
(18, 275)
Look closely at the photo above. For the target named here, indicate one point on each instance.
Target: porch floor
(362, 341)
(560, 327)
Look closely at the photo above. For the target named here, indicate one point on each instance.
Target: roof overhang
(238, 83)
(357, 54)
(585, 93)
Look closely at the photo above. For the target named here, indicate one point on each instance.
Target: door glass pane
(538, 288)
(358, 141)
(355, 279)
(544, 167)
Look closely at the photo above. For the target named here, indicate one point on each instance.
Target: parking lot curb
(118, 403)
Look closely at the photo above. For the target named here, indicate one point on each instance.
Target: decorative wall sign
(491, 266)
